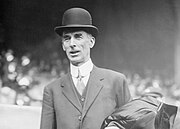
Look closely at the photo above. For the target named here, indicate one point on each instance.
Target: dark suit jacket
(107, 91)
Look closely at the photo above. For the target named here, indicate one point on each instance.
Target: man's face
(77, 46)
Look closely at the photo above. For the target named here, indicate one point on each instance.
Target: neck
(79, 63)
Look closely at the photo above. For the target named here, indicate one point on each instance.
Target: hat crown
(76, 16)
(76, 19)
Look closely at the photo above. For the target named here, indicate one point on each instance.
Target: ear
(63, 47)
(92, 42)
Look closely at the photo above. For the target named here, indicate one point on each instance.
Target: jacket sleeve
(126, 91)
(122, 91)
(48, 119)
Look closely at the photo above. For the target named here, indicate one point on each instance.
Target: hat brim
(88, 28)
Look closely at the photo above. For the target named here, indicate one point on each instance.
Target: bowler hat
(76, 19)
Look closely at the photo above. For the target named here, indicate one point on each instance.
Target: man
(86, 95)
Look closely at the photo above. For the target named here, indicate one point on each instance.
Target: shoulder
(111, 73)
(56, 82)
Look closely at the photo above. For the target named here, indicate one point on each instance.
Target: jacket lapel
(94, 88)
(70, 93)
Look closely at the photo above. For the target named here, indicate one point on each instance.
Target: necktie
(80, 85)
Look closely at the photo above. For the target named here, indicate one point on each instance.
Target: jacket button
(79, 118)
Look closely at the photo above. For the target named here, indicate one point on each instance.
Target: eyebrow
(78, 34)
(65, 36)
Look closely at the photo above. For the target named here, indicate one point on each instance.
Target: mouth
(74, 53)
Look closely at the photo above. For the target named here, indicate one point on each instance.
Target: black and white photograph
(90, 64)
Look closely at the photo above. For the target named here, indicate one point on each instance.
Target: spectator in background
(87, 94)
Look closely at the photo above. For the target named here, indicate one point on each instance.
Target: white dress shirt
(85, 70)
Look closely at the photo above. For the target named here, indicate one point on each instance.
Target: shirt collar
(85, 69)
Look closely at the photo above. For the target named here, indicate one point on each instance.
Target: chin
(75, 61)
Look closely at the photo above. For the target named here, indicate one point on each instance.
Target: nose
(72, 42)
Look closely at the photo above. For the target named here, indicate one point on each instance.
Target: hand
(111, 127)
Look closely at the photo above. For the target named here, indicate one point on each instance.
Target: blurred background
(139, 38)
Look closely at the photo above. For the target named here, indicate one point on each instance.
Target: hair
(70, 30)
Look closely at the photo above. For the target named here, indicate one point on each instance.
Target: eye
(78, 36)
(66, 38)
